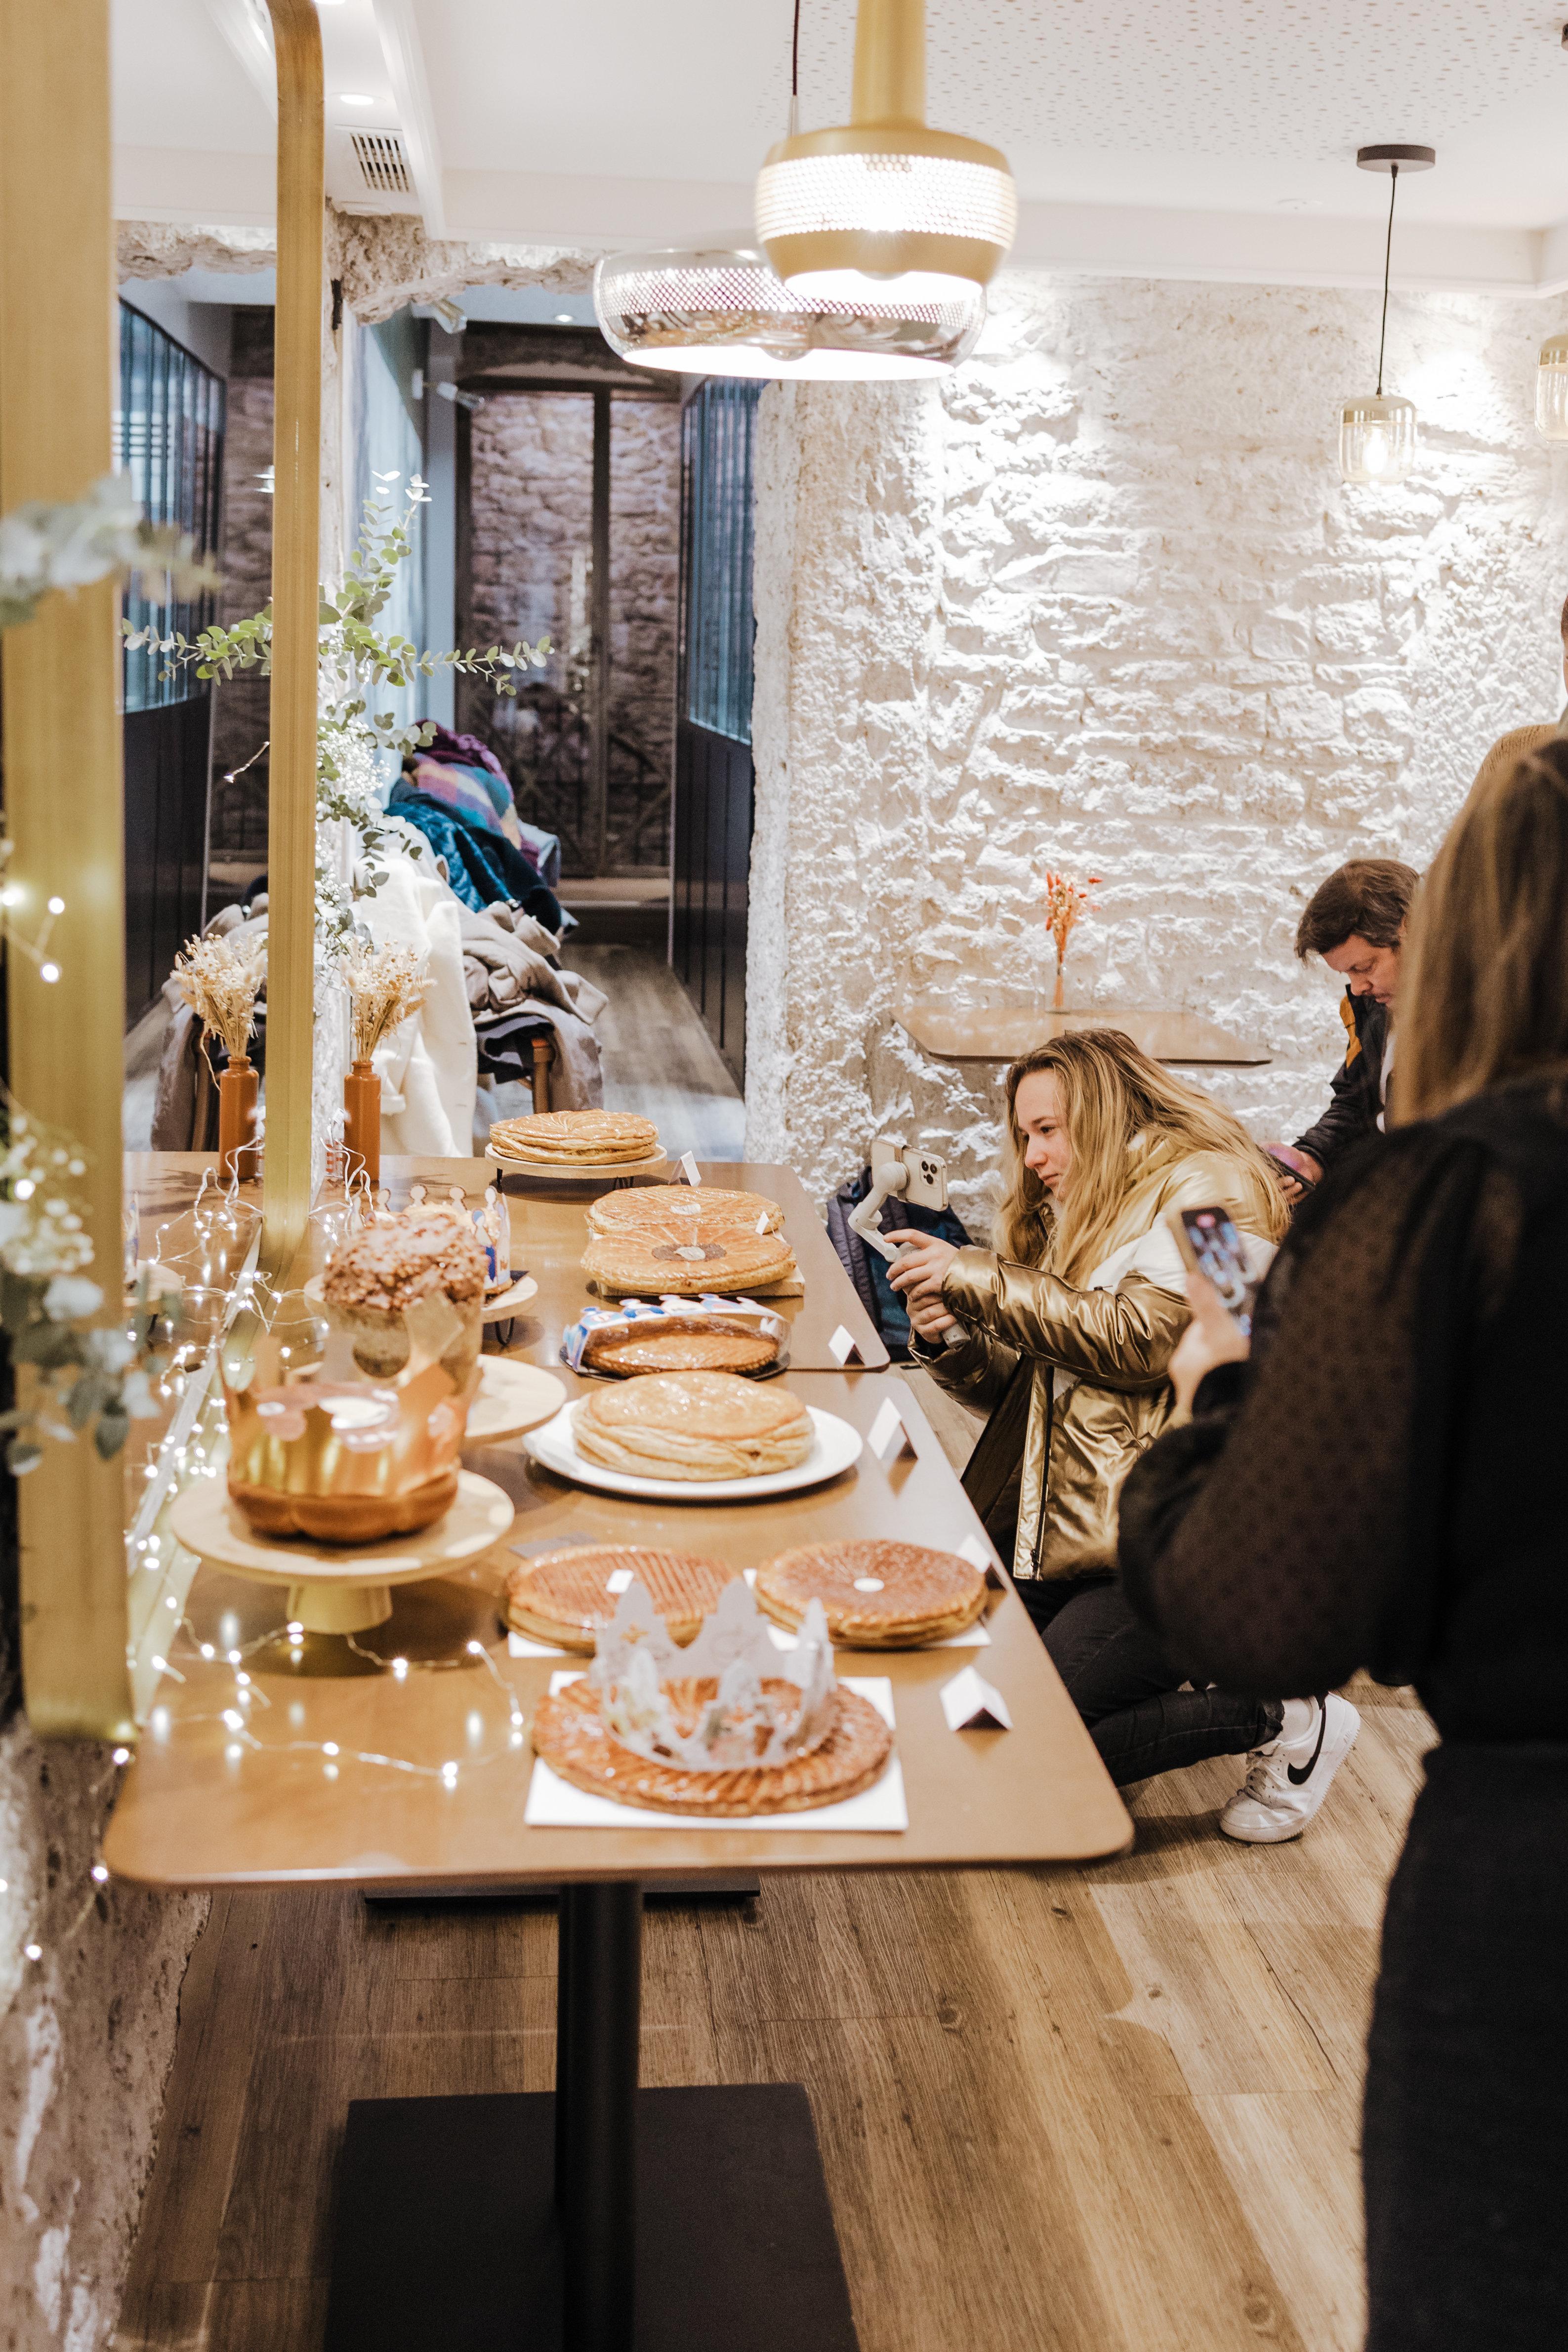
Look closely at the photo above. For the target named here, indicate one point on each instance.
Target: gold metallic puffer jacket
(1090, 1364)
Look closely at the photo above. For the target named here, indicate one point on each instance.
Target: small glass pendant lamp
(1551, 390)
(883, 208)
(1377, 435)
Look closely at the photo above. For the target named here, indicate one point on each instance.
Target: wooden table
(1001, 1033)
(446, 2229)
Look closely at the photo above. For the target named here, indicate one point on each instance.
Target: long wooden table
(989, 1034)
(331, 1768)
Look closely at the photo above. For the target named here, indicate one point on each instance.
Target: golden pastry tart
(695, 1344)
(876, 1595)
(570, 1735)
(694, 1425)
(685, 1258)
(662, 1204)
(590, 1137)
(565, 1596)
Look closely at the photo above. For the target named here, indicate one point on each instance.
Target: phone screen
(1218, 1252)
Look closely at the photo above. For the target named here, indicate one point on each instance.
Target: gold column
(63, 787)
(296, 571)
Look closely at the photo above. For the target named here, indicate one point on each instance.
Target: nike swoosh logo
(1300, 1774)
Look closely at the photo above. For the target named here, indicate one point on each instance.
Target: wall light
(1551, 388)
(355, 97)
(883, 207)
(1377, 435)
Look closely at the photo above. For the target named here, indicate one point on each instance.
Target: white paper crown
(743, 1723)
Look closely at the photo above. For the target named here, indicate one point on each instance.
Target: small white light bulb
(100, 1872)
(49, 971)
(56, 906)
(329, 1747)
(33, 1951)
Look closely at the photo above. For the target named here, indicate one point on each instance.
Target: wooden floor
(1113, 2109)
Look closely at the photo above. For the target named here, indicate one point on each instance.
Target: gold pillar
(64, 799)
(296, 571)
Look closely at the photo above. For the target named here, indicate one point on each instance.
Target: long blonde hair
(1129, 1123)
(1483, 989)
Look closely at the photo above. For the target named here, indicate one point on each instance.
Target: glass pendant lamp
(1377, 435)
(1551, 390)
(884, 208)
(724, 310)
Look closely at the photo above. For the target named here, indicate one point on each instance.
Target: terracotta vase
(237, 1158)
(362, 1121)
(1058, 1000)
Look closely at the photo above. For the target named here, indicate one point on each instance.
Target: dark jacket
(1356, 1093)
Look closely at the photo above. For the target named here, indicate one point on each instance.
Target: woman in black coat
(1385, 1484)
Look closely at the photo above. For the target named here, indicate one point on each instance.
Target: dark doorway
(569, 492)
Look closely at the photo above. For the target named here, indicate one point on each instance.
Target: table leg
(565, 1915)
(601, 1973)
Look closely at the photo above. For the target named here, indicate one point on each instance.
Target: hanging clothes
(482, 866)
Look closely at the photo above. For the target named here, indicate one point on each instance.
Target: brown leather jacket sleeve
(1121, 1339)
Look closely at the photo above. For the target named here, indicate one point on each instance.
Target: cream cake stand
(340, 1587)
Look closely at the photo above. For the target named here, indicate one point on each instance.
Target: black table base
(619, 2220)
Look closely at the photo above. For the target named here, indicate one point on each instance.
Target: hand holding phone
(1211, 1246)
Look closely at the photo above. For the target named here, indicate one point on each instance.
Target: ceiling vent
(384, 165)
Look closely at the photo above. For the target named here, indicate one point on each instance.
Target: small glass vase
(361, 1123)
(238, 1156)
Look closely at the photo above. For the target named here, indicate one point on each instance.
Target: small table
(447, 2230)
(1001, 1033)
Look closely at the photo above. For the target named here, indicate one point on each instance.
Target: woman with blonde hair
(1382, 1485)
(1064, 1337)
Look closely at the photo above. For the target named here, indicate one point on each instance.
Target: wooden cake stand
(340, 1588)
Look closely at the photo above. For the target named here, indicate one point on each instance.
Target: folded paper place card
(971, 1703)
(524, 1645)
(844, 1348)
(689, 1168)
(978, 1554)
(889, 1438)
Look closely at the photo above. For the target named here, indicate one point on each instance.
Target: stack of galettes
(694, 1425)
(575, 1139)
(671, 1241)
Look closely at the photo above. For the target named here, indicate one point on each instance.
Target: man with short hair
(1355, 921)
(1508, 750)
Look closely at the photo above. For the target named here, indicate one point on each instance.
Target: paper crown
(752, 1718)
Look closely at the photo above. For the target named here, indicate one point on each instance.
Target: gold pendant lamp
(1377, 435)
(883, 208)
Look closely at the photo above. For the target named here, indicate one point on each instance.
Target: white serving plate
(573, 1171)
(512, 1397)
(500, 1306)
(837, 1448)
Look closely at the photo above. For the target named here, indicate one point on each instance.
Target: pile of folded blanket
(457, 794)
(514, 984)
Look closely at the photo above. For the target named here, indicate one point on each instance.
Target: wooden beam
(296, 573)
(64, 796)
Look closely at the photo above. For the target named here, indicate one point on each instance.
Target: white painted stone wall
(1102, 603)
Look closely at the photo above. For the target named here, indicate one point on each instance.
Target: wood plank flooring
(1106, 2109)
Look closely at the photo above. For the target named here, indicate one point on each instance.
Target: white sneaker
(1287, 1780)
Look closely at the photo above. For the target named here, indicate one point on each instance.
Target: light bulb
(49, 971)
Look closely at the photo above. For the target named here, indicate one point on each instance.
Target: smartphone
(1210, 1244)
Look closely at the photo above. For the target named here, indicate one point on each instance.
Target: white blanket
(428, 1066)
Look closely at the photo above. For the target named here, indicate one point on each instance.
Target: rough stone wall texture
(239, 722)
(532, 541)
(1102, 603)
(87, 2036)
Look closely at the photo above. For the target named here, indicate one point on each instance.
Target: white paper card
(524, 1645)
(889, 1436)
(844, 1349)
(971, 1705)
(978, 1554)
(554, 1804)
(763, 1223)
(619, 1580)
(689, 1169)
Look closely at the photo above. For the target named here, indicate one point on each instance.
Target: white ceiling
(1190, 137)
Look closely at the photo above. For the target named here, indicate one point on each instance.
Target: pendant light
(724, 310)
(1377, 435)
(883, 208)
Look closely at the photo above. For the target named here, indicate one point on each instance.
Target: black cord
(1388, 252)
(795, 56)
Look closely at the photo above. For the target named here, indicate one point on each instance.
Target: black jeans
(1128, 1692)
(1464, 2156)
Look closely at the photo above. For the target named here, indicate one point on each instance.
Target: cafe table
(1001, 1033)
(598, 2217)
